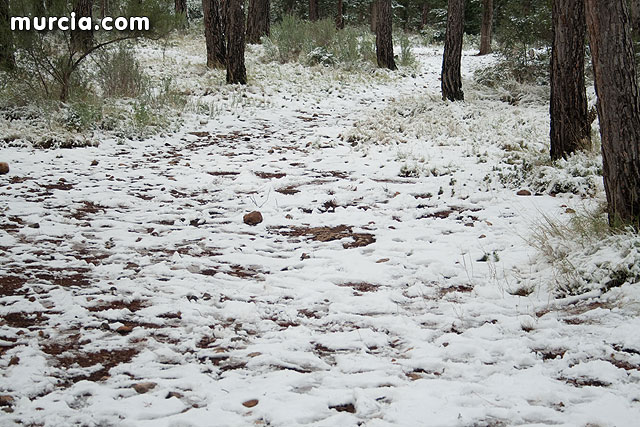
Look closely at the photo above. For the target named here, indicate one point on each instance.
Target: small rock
(6, 400)
(4, 168)
(381, 260)
(524, 193)
(34, 225)
(142, 388)
(304, 256)
(174, 394)
(250, 403)
(14, 361)
(570, 211)
(482, 236)
(288, 216)
(253, 218)
(124, 330)
(94, 163)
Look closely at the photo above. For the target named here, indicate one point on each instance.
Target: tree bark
(214, 34)
(314, 13)
(81, 41)
(181, 6)
(236, 72)
(384, 37)
(340, 17)
(258, 21)
(570, 124)
(487, 26)
(635, 18)
(104, 8)
(451, 79)
(426, 9)
(7, 57)
(618, 107)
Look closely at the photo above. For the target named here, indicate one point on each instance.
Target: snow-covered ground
(390, 282)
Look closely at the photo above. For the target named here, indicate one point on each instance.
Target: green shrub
(294, 39)
(119, 73)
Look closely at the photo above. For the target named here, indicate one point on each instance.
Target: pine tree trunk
(618, 107)
(236, 72)
(635, 19)
(570, 124)
(104, 8)
(426, 9)
(214, 34)
(487, 26)
(451, 78)
(384, 37)
(258, 21)
(181, 6)
(7, 57)
(340, 17)
(81, 41)
(314, 13)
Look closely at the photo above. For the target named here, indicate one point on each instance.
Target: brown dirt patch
(9, 285)
(23, 319)
(290, 189)
(88, 208)
(132, 306)
(327, 234)
(270, 175)
(223, 173)
(360, 286)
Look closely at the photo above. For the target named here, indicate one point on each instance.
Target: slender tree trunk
(373, 15)
(340, 17)
(451, 79)
(258, 21)
(236, 72)
(426, 9)
(570, 124)
(618, 107)
(487, 26)
(314, 13)
(384, 38)
(81, 41)
(104, 8)
(181, 6)
(7, 57)
(635, 19)
(214, 34)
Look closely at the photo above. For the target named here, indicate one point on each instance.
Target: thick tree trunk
(214, 34)
(487, 26)
(236, 72)
(570, 124)
(81, 41)
(340, 17)
(7, 58)
(314, 13)
(384, 37)
(618, 107)
(451, 79)
(259, 20)
(426, 9)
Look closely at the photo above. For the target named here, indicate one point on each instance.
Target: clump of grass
(119, 73)
(586, 254)
(319, 42)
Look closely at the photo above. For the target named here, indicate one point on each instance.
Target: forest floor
(390, 283)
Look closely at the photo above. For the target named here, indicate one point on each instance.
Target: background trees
(258, 20)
